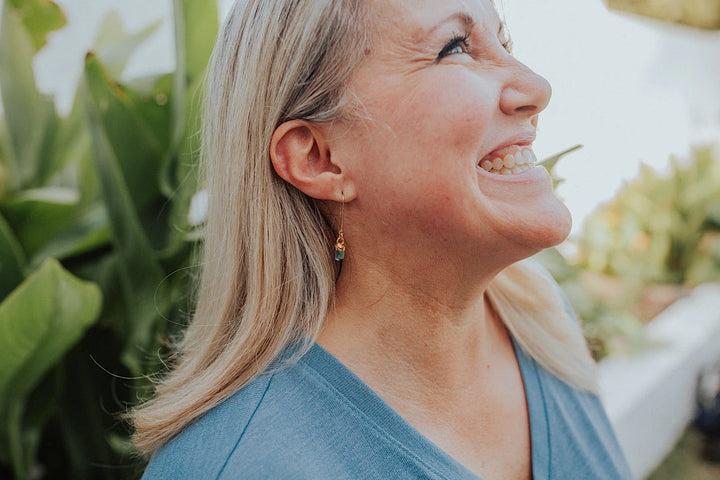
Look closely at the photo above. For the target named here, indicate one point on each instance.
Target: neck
(424, 329)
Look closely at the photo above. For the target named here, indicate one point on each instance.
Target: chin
(546, 228)
(555, 227)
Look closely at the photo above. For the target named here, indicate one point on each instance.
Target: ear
(301, 156)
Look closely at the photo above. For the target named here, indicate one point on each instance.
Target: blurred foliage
(95, 239)
(703, 14)
(660, 229)
(605, 314)
(657, 238)
(605, 311)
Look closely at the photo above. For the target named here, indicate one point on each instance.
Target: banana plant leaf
(134, 127)
(32, 119)
(37, 215)
(12, 260)
(39, 322)
(4, 155)
(89, 232)
(40, 17)
(71, 164)
(196, 26)
(141, 275)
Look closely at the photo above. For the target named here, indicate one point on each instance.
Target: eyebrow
(467, 20)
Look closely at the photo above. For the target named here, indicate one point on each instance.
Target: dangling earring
(340, 242)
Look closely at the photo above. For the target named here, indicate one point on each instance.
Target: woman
(394, 136)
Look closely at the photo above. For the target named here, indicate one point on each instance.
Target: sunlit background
(628, 89)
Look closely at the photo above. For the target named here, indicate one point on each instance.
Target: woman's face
(443, 102)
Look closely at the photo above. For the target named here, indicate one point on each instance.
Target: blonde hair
(268, 272)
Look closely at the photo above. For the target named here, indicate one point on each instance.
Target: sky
(629, 90)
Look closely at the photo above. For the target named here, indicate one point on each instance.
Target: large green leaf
(33, 119)
(196, 26)
(38, 215)
(89, 232)
(4, 156)
(141, 274)
(71, 164)
(123, 118)
(39, 17)
(39, 322)
(12, 260)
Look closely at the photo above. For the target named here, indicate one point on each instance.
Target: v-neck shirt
(316, 420)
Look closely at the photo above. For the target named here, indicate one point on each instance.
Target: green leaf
(550, 162)
(557, 265)
(196, 26)
(12, 260)
(120, 114)
(72, 156)
(4, 157)
(89, 232)
(194, 42)
(98, 391)
(33, 124)
(39, 322)
(114, 45)
(39, 17)
(141, 274)
(38, 215)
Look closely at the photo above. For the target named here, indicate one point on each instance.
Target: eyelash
(464, 41)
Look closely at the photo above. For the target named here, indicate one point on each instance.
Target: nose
(525, 92)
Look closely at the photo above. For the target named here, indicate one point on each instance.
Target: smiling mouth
(515, 160)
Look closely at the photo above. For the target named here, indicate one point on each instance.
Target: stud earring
(340, 242)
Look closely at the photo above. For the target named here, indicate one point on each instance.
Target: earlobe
(300, 156)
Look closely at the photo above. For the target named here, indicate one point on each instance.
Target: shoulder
(203, 448)
(262, 431)
(581, 436)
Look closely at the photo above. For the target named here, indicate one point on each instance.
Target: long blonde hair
(268, 273)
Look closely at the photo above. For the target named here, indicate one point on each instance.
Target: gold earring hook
(340, 242)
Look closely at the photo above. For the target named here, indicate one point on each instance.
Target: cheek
(452, 110)
(420, 149)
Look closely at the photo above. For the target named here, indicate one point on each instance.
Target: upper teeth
(517, 162)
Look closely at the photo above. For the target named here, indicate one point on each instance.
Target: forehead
(414, 19)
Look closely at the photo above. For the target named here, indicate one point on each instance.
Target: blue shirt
(316, 420)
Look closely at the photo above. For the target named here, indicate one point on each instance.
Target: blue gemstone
(339, 255)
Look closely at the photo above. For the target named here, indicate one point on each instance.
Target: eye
(459, 44)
